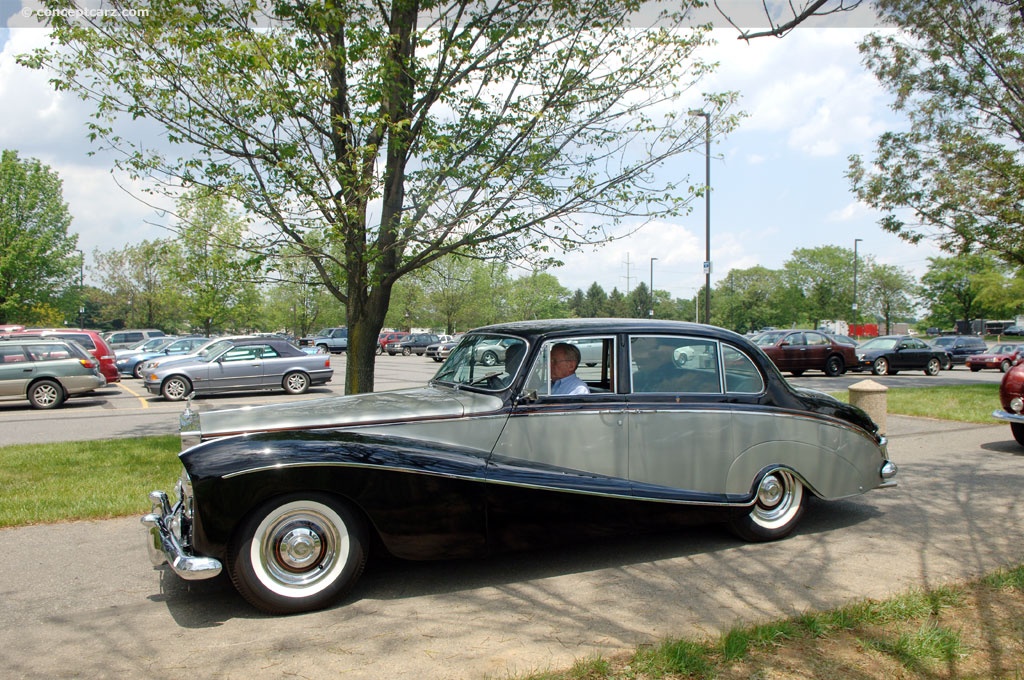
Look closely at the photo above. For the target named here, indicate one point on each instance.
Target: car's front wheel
(1005, 365)
(46, 394)
(933, 367)
(176, 388)
(489, 358)
(834, 367)
(406, 351)
(776, 511)
(1018, 432)
(296, 382)
(298, 553)
(880, 366)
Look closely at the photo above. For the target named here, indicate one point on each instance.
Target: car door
(578, 441)
(911, 354)
(239, 367)
(680, 425)
(791, 352)
(16, 370)
(816, 349)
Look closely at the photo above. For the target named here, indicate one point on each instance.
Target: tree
(750, 299)
(139, 287)
(381, 137)
(38, 261)
(958, 171)
(825, 277)
(952, 286)
(889, 292)
(798, 14)
(215, 277)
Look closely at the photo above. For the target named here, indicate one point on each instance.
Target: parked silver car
(47, 372)
(489, 455)
(246, 364)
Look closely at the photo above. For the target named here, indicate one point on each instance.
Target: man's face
(562, 364)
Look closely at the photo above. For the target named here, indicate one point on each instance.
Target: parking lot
(126, 409)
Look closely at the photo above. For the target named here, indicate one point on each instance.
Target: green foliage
(376, 145)
(956, 173)
(39, 268)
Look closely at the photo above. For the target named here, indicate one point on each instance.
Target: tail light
(327, 362)
(87, 363)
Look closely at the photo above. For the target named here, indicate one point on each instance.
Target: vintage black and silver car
(289, 499)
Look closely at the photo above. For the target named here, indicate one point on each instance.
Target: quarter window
(674, 364)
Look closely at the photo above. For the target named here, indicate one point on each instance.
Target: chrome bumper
(1008, 417)
(164, 545)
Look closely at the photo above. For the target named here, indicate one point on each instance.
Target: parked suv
(130, 337)
(959, 347)
(46, 371)
(415, 343)
(90, 340)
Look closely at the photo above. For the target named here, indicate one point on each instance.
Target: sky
(777, 182)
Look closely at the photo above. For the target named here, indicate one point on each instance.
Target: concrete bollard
(871, 396)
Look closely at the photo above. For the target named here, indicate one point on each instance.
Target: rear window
(83, 339)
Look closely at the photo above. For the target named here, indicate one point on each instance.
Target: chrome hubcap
(299, 548)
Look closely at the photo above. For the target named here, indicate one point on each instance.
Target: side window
(244, 353)
(741, 375)
(796, 339)
(816, 339)
(12, 354)
(133, 338)
(268, 352)
(674, 364)
(574, 367)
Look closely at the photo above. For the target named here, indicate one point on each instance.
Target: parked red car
(1011, 401)
(797, 351)
(1001, 356)
(388, 336)
(91, 340)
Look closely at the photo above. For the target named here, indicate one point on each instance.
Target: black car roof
(541, 327)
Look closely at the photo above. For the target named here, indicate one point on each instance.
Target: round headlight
(1017, 404)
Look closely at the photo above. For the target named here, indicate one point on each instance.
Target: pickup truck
(328, 340)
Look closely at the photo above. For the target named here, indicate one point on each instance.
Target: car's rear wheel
(489, 358)
(298, 553)
(1018, 432)
(1004, 365)
(46, 394)
(776, 511)
(137, 370)
(834, 366)
(933, 367)
(797, 373)
(176, 388)
(406, 351)
(880, 366)
(975, 369)
(295, 382)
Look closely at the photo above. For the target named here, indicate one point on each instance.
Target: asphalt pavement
(82, 600)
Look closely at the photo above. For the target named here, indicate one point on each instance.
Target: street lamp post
(651, 312)
(81, 288)
(855, 313)
(707, 211)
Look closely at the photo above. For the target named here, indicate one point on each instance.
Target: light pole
(651, 312)
(707, 211)
(855, 314)
(81, 288)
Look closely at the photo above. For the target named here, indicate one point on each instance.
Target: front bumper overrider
(165, 543)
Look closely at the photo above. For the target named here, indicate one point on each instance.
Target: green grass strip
(84, 480)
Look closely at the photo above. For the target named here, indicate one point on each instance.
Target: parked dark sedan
(890, 354)
(290, 498)
(240, 364)
(797, 351)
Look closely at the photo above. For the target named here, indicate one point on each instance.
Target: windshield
(213, 349)
(489, 362)
(879, 343)
(766, 339)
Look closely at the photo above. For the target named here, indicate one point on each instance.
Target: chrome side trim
(164, 546)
